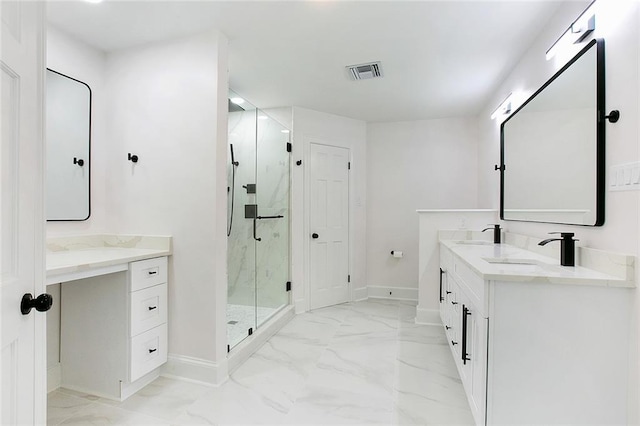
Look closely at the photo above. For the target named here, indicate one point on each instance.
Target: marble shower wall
(258, 271)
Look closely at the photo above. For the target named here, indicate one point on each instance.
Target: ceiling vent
(365, 71)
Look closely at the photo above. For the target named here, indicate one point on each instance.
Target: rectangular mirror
(68, 135)
(553, 147)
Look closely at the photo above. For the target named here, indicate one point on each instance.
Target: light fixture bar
(504, 108)
(577, 32)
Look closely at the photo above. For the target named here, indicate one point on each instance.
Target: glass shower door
(272, 251)
(241, 175)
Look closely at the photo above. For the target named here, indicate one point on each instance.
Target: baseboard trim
(360, 294)
(393, 293)
(128, 389)
(427, 316)
(54, 377)
(300, 306)
(195, 370)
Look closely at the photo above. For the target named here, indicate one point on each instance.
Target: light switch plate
(624, 177)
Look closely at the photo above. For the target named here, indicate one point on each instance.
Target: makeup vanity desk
(113, 304)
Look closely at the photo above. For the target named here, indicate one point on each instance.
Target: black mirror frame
(89, 150)
(600, 134)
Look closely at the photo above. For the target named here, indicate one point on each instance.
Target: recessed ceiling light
(237, 101)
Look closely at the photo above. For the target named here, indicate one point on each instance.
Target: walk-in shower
(257, 219)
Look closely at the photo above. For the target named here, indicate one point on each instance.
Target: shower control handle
(314, 236)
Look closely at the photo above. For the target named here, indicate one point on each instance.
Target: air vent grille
(365, 71)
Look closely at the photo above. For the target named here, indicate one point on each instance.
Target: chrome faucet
(567, 247)
(496, 233)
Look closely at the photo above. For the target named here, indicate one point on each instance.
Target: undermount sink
(503, 261)
(475, 242)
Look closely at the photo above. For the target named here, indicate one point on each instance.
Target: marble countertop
(68, 255)
(503, 262)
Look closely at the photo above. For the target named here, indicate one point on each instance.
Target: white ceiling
(439, 58)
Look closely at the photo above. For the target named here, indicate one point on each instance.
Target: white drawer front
(147, 273)
(148, 351)
(148, 308)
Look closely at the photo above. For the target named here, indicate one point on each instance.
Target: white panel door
(23, 339)
(329, 226)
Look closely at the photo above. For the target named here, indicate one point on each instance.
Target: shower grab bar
(270, 217)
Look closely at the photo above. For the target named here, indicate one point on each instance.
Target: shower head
(233, 161)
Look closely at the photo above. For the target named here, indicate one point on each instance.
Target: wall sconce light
(577, 32)
(505, 107)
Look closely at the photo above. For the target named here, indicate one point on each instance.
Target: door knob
(42, 303)
(314, 235)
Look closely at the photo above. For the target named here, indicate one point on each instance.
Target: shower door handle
(254, 231)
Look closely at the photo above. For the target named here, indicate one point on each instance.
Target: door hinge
(289, 147)
(349, 165)
(288, 287)
(348, 278)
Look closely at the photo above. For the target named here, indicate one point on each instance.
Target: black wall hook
(502, 167)
(133, 158)
(613, 116)
(299, 162)
(78, 161)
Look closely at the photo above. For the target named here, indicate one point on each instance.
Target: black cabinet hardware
(447, 327)
(453, 302)
(152, 350)
(501, 167)
(151, 308)
(78, 161)
(299, 163)
(454, 343)
(41, 303)
(465, 314)
(314, 236)
(448, 292)
(152, 272)
(441, 274)
(133, 158)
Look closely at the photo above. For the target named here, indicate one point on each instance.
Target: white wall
(618, 22)
(167, 104)
(339, 131)
(430, 164)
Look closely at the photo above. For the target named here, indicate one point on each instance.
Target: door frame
(308, 141)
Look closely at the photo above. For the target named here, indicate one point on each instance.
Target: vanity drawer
(148, 308)
(147, 273)
(148, 351)
(470, 280)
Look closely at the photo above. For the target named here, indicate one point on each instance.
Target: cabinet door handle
(152, 350)
(448, 292)
(441, 274)
(152, 272)
(454, 343)
(465, 314)
(447, 327)
(453, 302)
(151, 308)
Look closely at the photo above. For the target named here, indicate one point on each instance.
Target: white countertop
(76, 257)
(534, 267)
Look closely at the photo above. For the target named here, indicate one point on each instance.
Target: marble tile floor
(361, 363)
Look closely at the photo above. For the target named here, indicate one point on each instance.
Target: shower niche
(258, 195)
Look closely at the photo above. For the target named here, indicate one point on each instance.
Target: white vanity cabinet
(537, 351)
(114, 330)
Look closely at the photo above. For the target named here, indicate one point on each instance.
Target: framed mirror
(68, 135)
(553, 147)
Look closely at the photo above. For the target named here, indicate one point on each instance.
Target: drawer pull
(151, 308)
(152, 272)
(453, 302)
(152, 350)
(448, 292)
(447, 327)
(454, 343)
(465, 314)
